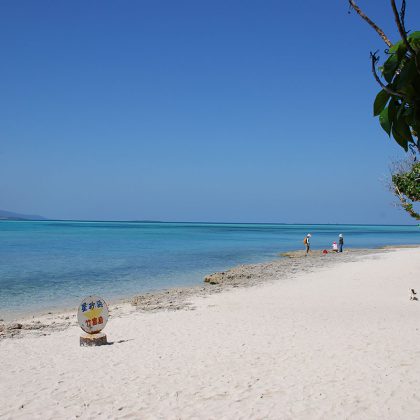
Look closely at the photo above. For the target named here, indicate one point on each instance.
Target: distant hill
(9, 215)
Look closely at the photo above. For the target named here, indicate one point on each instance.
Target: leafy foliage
(406, 185)
(409, 182)
(398, 102)
(397, 105)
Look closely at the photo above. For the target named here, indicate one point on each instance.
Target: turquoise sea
(50, 265)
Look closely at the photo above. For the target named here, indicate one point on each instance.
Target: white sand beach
(339, 342)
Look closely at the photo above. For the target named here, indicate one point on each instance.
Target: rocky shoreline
(180, 298)
(246, 275)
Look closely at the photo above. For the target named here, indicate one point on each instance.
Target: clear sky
(222, 110)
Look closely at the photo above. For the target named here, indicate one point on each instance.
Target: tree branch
(374, 60)
(402, 15)
(400, 26)
(408, 207)
(399, 20)
(379, 31)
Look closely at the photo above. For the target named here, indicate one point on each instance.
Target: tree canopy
(398, 102)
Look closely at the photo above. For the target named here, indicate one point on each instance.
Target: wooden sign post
(92, 317)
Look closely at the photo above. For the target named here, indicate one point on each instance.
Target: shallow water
(50, 265)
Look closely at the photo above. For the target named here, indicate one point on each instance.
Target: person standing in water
(307, 242)
(340, 242)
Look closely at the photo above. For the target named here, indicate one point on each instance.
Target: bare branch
(400, 25)
(399, 19)
(379, 31)
(374, 60)
(402, 15)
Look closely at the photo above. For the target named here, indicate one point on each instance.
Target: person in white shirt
(307, 242)
(341, 241)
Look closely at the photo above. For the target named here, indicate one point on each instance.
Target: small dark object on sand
(413, 295)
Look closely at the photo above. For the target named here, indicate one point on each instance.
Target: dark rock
(14, 326)
(34, 326)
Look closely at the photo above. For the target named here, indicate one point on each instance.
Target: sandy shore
(180, 298)
(313, 338)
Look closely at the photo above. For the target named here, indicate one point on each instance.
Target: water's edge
(179, 298)
(52, 265)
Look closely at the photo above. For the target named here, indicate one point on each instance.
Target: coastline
(148, 258)
(121, 259)
(179, 298)
(339, 340)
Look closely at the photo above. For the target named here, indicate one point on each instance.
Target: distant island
(9, 215)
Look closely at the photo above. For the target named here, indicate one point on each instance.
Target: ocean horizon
(51, 265)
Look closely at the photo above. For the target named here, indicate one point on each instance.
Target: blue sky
(239, 111)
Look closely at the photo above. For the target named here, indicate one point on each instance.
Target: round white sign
(92, 314)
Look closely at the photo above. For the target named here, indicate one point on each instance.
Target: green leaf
(406, 113)
(405, 130)
(400, 139)
(384, 121)
(392, 110)
(380, 102)
(398, 48)
(401, 110)
(401, 133)
(408, 72)
(414, 36)
(390, 67)
(409, 116)
(395, 47)
(407, 77)
(414, 39)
